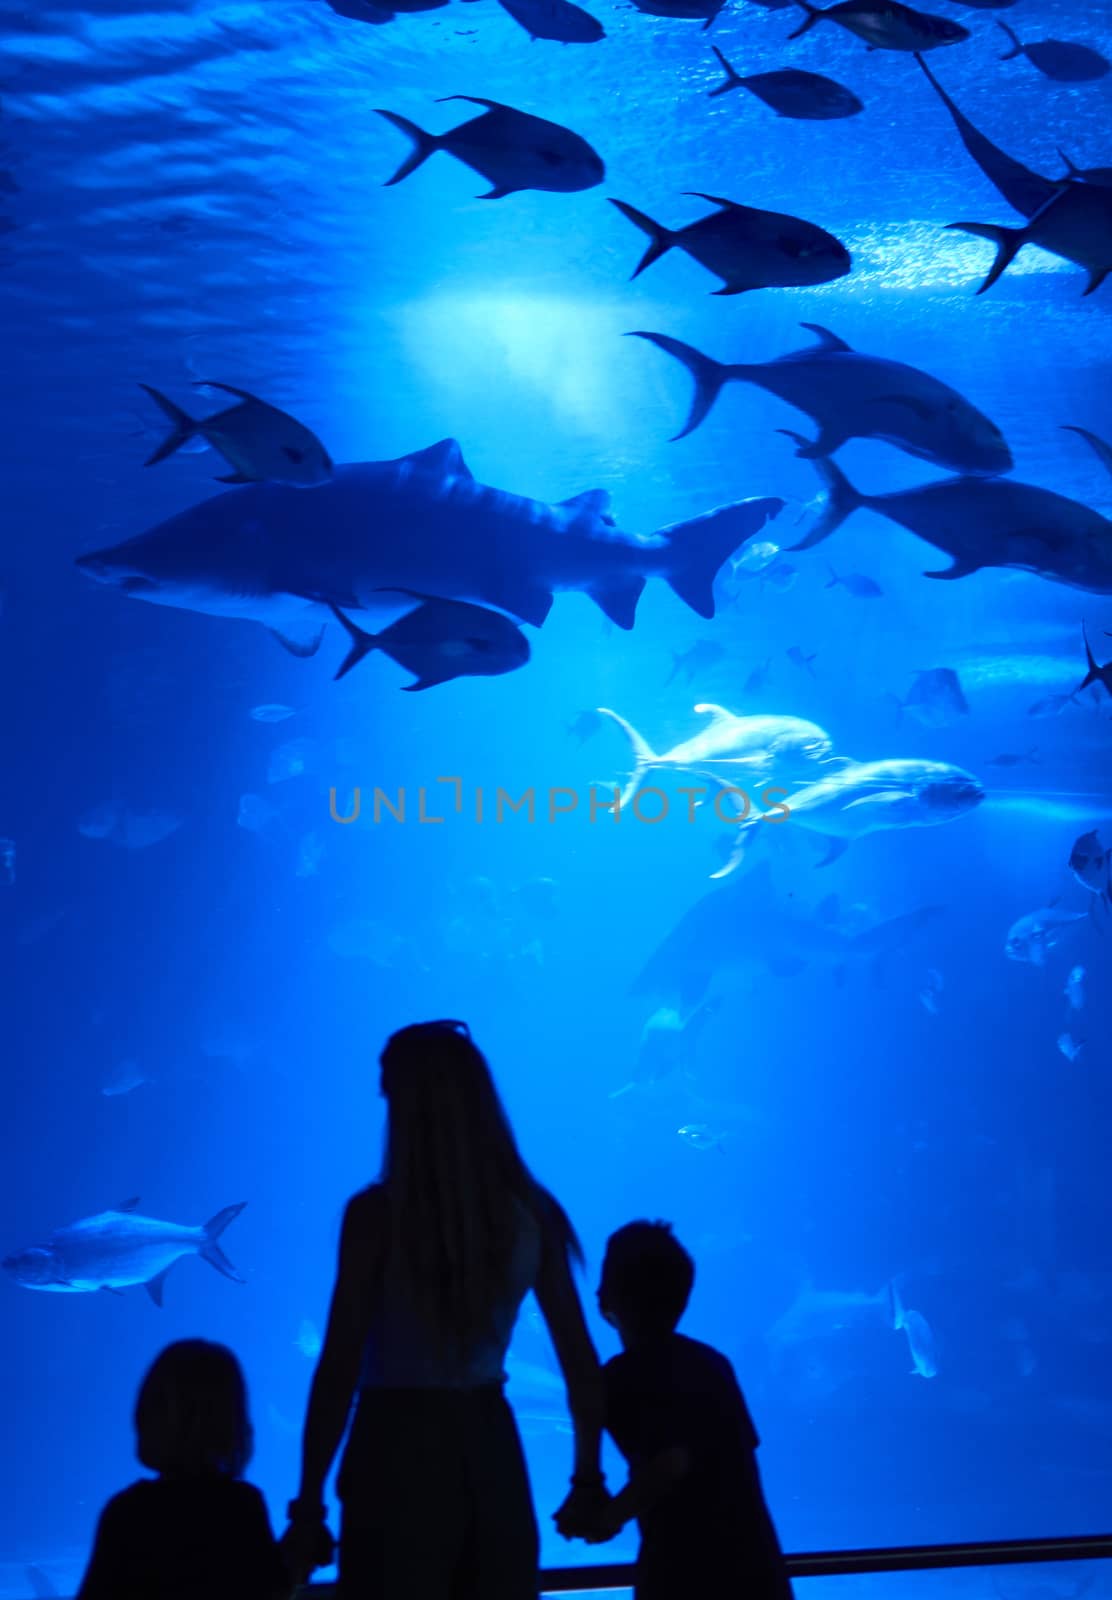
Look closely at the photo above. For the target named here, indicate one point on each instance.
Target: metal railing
(832, 1563)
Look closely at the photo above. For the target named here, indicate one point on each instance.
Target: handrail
(832, 1563)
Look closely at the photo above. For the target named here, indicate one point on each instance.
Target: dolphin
(855, 396)
(745, 923)
(868, 797)
(755, 746)
(271, 554)
(982, 522)
(119, 1249)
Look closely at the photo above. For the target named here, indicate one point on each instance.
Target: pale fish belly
(119, 1263)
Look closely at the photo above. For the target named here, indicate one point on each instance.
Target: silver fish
(261, 443)
(511, 149)
(1032, 937)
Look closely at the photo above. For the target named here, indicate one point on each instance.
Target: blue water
(196, 192)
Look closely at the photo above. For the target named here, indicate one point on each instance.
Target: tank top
(399, 1354)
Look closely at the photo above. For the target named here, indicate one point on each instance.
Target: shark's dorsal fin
(826, 339)
(716, 713)
(595, 502)
(445, 458)
(129, 1205)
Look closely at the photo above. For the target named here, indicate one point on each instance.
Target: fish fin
(644, 757)
(834, 848)
(107, 1288)
(709, 376)
(1017, 48)
(886, 798)
(734, 288)
(429, 681)
(826, 339)
(739, 848)
(301, 643)
(444, 457)
(714, 200)
(829, 439)
(834, 578)
(718, 713)
(959, 569)
(185, 427)
(813, 15)
(842, 497)
(1008, 241)
(155, 1286)
(129, 1205)
(699, 548)
(618, 600)
(1096, 278)
(210, 1250)
(733, 79)
(1072, 169)
(660, 238)
(235, 477)
(530, 603)
(593, 503)
(473, 99)
(499, 192)
(361, 643)
(242, 394)
(425, 145)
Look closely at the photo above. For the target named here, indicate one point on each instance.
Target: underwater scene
(595, 520)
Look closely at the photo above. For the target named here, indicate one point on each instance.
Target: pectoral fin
(156, 1285)
(885, 797)
(301, 641)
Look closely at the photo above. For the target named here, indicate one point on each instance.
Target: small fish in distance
(261, 443)
(441, 640)
(886, 25)
(1059, 59)
(511, 149)
(745, 247)
(803, 96)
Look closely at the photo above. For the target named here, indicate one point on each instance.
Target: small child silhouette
(196, 1530)
(676, 1412)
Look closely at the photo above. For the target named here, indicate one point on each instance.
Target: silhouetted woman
(435, 1260)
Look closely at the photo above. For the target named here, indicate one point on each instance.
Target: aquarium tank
(595, 520)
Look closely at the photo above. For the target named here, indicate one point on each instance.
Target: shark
(270, 553)
(746, 923)
(119, 1249)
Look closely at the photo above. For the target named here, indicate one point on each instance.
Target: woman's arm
(560, 1306)
(349, 1319)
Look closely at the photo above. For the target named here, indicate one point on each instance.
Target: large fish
(1076, 225)
(280, 557)
(745, 247)
(983, 522)
(855, 396)
(747, 923)
(512, 149)
(730, 748)
(805, 96)
(262, 444)
(868, 797)
(119, 1249)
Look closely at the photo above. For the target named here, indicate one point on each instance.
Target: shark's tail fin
(709, 376)
(733, 78)
(813, 15)
(1008, 241)
(841, 497)
(424, 145)
(644, 757)
(210, 1250)
(699, 548)
(1010, 33)
(185, 427)
(660, 239)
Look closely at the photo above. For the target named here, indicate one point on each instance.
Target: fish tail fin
(184, 429)
(1072, 171)
(210, 1250)
(1008, 241)
(741, 843)
(813, 15)
(733, 77)
(361, 643)
(1010, 33)
(841, 497)
(660, 239)
(424, 145)
(644, 757)
(1093, 674)
(709, 376)
(834, 578)
(699, 548)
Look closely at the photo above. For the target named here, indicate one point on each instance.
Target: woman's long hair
(455, 1184)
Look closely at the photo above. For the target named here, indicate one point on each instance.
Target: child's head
(191, 1415)
(647, 1277)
